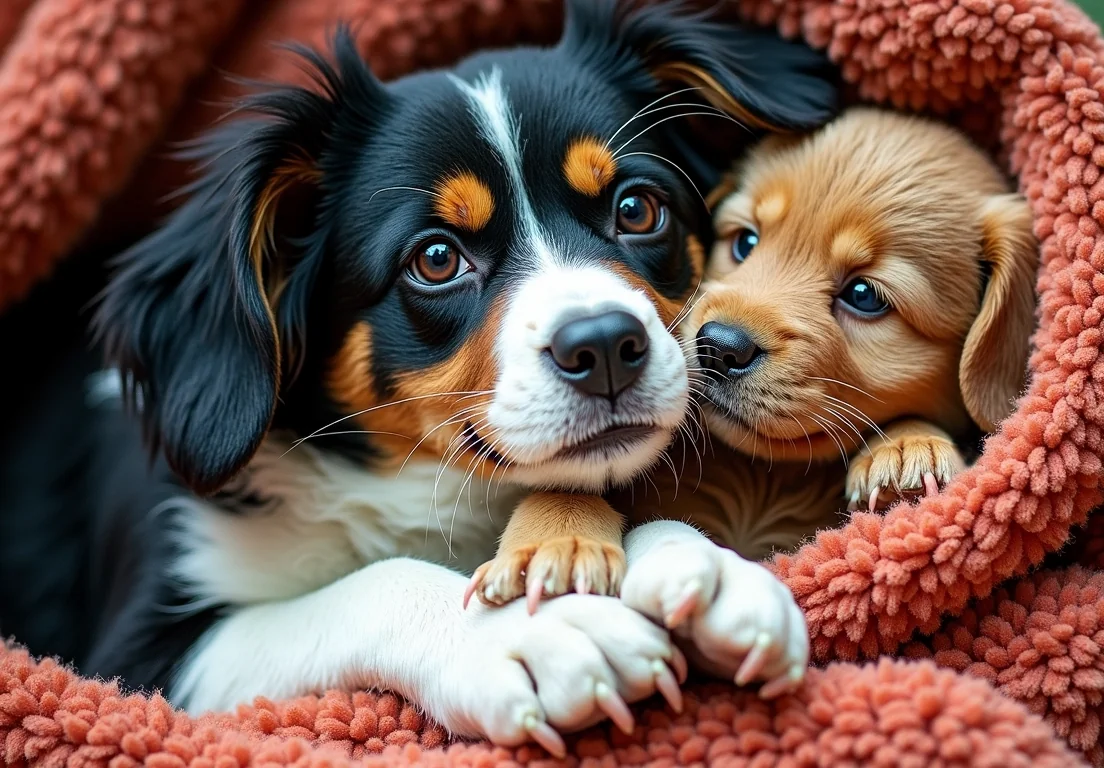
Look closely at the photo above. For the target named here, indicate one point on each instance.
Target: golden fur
(915, 208)
(553, 544)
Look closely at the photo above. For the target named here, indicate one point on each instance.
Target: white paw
(738, 620)
(578, 660)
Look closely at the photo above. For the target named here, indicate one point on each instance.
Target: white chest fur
(325, 517)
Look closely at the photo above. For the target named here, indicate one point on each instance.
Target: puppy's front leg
(554, 542)
(398, 625)
(910, 457)
(733, 617)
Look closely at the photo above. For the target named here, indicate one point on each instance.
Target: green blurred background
(1094, 8)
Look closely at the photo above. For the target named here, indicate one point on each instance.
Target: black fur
(215, 350)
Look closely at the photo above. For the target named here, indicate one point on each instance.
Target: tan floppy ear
(994, 358)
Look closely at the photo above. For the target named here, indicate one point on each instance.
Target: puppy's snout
(602, 355)
(726, 350)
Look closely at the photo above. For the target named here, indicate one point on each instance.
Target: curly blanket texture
(978, 663)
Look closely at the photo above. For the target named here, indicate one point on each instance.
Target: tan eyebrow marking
(851, 244)
(589, 166)
(464, 201)
(771, 209)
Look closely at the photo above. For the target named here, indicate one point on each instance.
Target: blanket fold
(893, 713)
(998, 667)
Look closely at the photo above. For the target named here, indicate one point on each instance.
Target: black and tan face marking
(410, 418)
(426, 212)
(464, 202)
(589, 166)
(485, 268)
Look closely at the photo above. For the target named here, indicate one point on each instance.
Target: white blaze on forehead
(490, 108)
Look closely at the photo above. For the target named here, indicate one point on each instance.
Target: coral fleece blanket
(966, 630)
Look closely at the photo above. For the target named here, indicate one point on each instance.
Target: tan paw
(902, 466)
(550, 568)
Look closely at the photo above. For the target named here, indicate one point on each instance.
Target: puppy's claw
(873, 503)
(785, 684)
(679, 665)
(754, 661)
(667, 685)
(533, 594)
(776, 688)
(473, 584)
(931, 485)
(542, 733)
(686, 605)
(614, 706)
(581, 585)
(853, 503)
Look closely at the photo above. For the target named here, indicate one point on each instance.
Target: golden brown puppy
(870, 294)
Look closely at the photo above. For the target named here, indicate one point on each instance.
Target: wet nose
(726, 350)
(602, 355)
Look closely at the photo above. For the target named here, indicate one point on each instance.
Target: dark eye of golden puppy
(437, 262)
(639, 213)
(862, 297)
(743, 244)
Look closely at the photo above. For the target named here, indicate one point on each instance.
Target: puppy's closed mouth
(620, 437)
(615, 438)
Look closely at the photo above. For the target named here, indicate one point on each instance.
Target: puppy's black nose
(601, 355)
(726, 349)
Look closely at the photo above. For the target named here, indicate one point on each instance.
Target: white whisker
(674, 472)
(357, 432)
(429, 192)
(844, 421)
(657, 123)
(859, 414)
(381, 406)
(676, 167)
(641, 112)
(829, 429)
(808, 438)
(845, 384)
(685, 313)
(455, 418)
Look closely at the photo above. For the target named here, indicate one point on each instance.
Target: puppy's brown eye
(639, 213)
(861, 296)
(437, 262)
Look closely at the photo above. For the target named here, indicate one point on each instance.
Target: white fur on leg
(739, 620)
(398, 625)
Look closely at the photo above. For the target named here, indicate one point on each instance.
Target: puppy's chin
(599, 464)
(592, 447)
(776, 438)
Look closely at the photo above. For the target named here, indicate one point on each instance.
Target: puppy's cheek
(425, 408)
(349, 380)
(352, 388)
(463, 383)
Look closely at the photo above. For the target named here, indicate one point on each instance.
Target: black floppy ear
(204, 316)
(755, 77)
